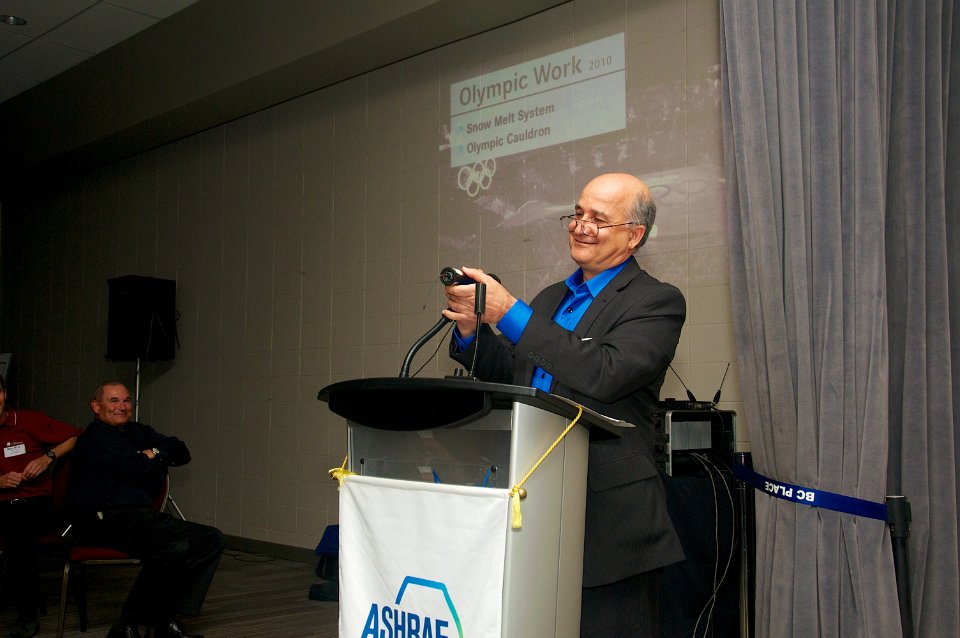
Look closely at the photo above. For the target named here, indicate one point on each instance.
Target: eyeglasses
(570, 223)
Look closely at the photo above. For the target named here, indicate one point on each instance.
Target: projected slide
(556, 98)
(519, 141)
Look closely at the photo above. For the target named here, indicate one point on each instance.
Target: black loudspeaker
(141, 318)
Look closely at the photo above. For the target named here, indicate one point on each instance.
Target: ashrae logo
(386, 621)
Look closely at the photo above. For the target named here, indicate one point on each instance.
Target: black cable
(430, 334)
(476, 345)
(716, 541)
(248, 557)
(711, 602)
(439, 344)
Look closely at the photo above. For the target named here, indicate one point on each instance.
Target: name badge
(14, 450)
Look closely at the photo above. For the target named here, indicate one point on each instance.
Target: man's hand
(36, 467)
(460, 302)
(150, 453)
(10, 480)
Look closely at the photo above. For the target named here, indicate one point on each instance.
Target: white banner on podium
(421, 560)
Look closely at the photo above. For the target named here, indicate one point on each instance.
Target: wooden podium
(468, 432)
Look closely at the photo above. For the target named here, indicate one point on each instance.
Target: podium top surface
(390, 403)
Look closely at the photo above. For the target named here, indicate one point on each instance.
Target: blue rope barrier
(809, 496)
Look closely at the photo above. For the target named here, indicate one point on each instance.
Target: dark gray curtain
(841, 182)
(923, 297)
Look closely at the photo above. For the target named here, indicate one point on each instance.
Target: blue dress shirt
(568, 315)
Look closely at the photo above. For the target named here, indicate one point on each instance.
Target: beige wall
(304, 240)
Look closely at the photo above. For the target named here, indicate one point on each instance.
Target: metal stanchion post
(899, 519)
(743, 490)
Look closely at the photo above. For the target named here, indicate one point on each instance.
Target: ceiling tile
(41, 16)
(99, 28)
(40, 60)
(69, 31)
(155, 8)
(11, 41)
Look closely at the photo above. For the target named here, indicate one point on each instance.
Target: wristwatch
(156, 451)
(52, 455)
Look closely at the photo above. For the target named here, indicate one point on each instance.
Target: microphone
(450, 276)
(479, 307)
(480, 300)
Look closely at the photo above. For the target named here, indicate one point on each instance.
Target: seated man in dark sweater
(118, 466)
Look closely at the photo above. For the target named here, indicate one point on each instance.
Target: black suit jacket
(614, 363)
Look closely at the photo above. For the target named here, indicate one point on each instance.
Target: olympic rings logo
(477, 177)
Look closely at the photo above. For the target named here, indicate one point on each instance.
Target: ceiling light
(13, 21)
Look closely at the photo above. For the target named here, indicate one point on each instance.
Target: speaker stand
(176, 507)
(136, 393)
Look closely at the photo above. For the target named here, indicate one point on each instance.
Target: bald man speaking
(604, 338)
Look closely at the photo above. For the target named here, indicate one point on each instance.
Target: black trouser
(629, 608)
(22, 523)
(179, 559)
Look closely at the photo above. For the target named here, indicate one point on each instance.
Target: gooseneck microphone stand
(449, 276)
(408, 360)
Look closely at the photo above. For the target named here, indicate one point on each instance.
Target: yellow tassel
(341, 473)
(518, 492)
(517, 517)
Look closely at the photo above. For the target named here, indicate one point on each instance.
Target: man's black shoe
(123, 631)
(172, 629)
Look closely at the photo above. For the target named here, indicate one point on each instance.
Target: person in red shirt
(31, 442)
